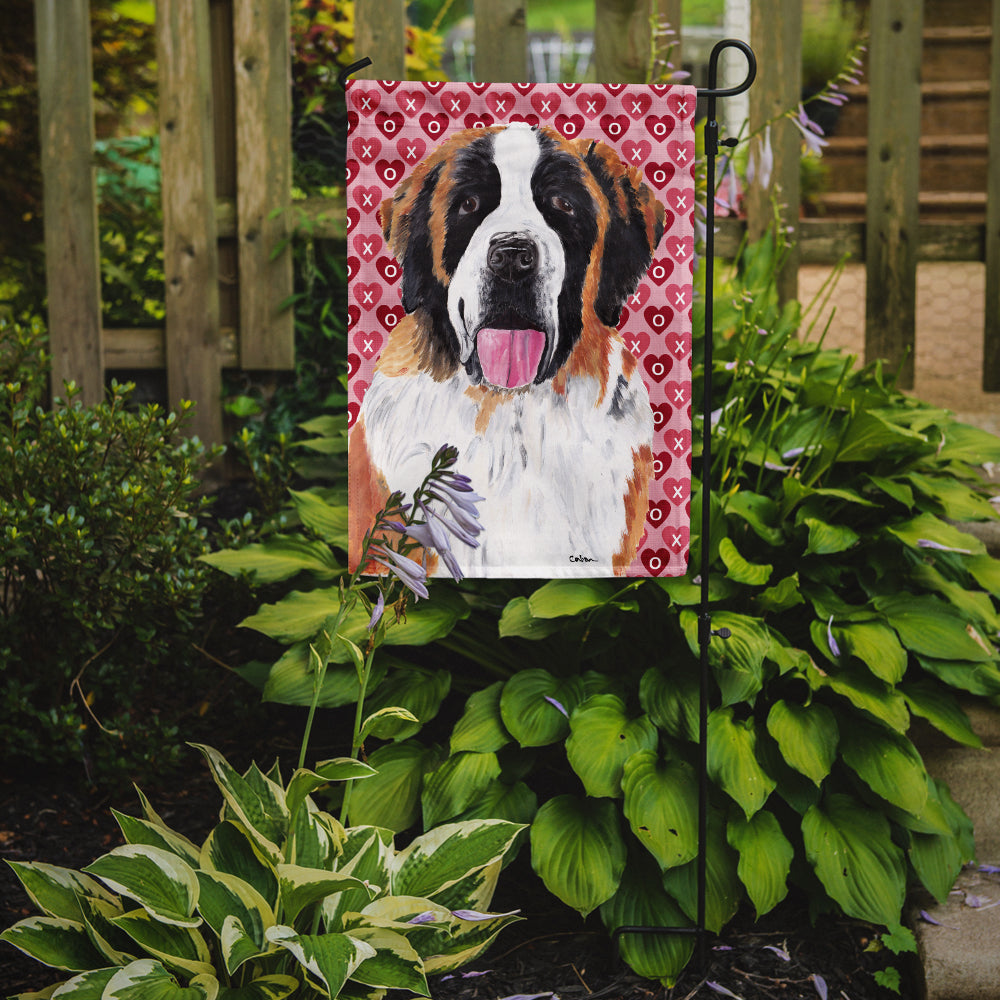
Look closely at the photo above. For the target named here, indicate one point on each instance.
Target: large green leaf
(535, 706)
(738, 660)
(732, 760)
(941, 709)
(327, 520)
(481, 728)
(516, 803)
(851, 850)
(807, 736)
(739, 569)
(827, 539)
(876, 646)
(640, 901)
(291, 680)
(871, 435)
(578, 851)
(56, 891)
(391, 798)
(54, 941)
(420, 691)
(918, 531)
(517, 620)
(958, 502)
(888, 763)
(671, 700)
(147, 979)
(329, 959)
(456, 785)
(864, 691)
(438, 859)
(765, 858)
(661, 799)
(278, 558)
(976, 678)
(932, 628)
(301, 887)
(558, 598)
(602, 738)
(164, 885)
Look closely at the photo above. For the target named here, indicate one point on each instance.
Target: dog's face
(509, 238)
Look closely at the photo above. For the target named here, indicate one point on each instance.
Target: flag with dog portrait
(520, 263)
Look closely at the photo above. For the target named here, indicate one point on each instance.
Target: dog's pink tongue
(509, 358)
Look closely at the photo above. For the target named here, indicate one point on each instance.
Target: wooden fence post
(991, 331)
(380, 34)
(262, 61)
(72, 255)
(776, 34)
(893, 183)
(501, 39)
(622, 40)
(190, 251)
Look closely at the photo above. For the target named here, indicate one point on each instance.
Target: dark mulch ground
(550, 952)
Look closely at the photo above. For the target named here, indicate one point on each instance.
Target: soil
(550, 953)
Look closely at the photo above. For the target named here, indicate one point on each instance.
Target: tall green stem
(357, 737)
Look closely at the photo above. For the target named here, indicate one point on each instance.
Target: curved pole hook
(353, 68)
(712, 90)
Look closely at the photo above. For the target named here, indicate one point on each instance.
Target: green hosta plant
(279, 900)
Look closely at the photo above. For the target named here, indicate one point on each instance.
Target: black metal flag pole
(705, 632)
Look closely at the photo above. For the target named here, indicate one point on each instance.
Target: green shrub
(99, 542)
(279, 900)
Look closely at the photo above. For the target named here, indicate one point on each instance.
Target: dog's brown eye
(470, 205)
(560, 203)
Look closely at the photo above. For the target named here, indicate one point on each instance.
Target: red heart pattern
(393, 126)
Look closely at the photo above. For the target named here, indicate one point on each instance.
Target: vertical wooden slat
(190, 254)
(776, 35)
(991, 332)
(893, 183)
(262, 60)
(380, 34)
(668, 14)
(621, 40)
(72, 257)
(501, 40)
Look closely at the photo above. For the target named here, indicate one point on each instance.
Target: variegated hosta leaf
(850, 847)
(116, 946)
(602, 737)
(177, 947)
(367, 853)
(642, 902)
(275, 987)
(149, 980)
(329, 959)
(578, 851)
(481, 727)
(476, 890)
(158, 880)
(807, 736)
(141, 831)
(457, 784)
(300, 887)
(315, 838)
(256, 801)
(765, 858)
(229, 848)
(225, 897)
(54, 941)
(732, 760)
(661, 799)
(395, 964)
(441, 857)
(86, 986)
(466, 941)
(56, 891)
(304, 782)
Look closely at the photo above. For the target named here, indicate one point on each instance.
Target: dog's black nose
(512, 257)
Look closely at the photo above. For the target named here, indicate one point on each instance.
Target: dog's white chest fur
(552, 466)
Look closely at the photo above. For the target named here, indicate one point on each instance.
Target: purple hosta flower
(475, 915)
(427, 917)
(377, 612)
(927, 543)
(411, 573)
(760, 165)
(465, 975)
(454, 491)
(780, 952)
(812, 134)
(558, 705)
(432, 537)
(834, 648)
(989, 869)
(727, 198)
(719, 988)
(820, 983)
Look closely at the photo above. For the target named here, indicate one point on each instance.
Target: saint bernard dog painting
(520, 259)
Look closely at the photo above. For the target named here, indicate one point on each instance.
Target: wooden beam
(893, 184)
(190, 253)
(991, 332)
(72, 254)
(776, 35)
(380, 34)
(501, 39)
(262, 62)
(667, 47)
(621, 40)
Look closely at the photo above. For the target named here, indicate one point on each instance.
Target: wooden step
(956, 53)
(957, 206)
(947, 163)
(940, 13)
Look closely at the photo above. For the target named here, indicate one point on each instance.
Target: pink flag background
(394, 125)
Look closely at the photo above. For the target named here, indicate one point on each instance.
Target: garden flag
(520, 262)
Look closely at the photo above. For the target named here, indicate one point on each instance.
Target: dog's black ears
(406, 227)
(636, 224)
